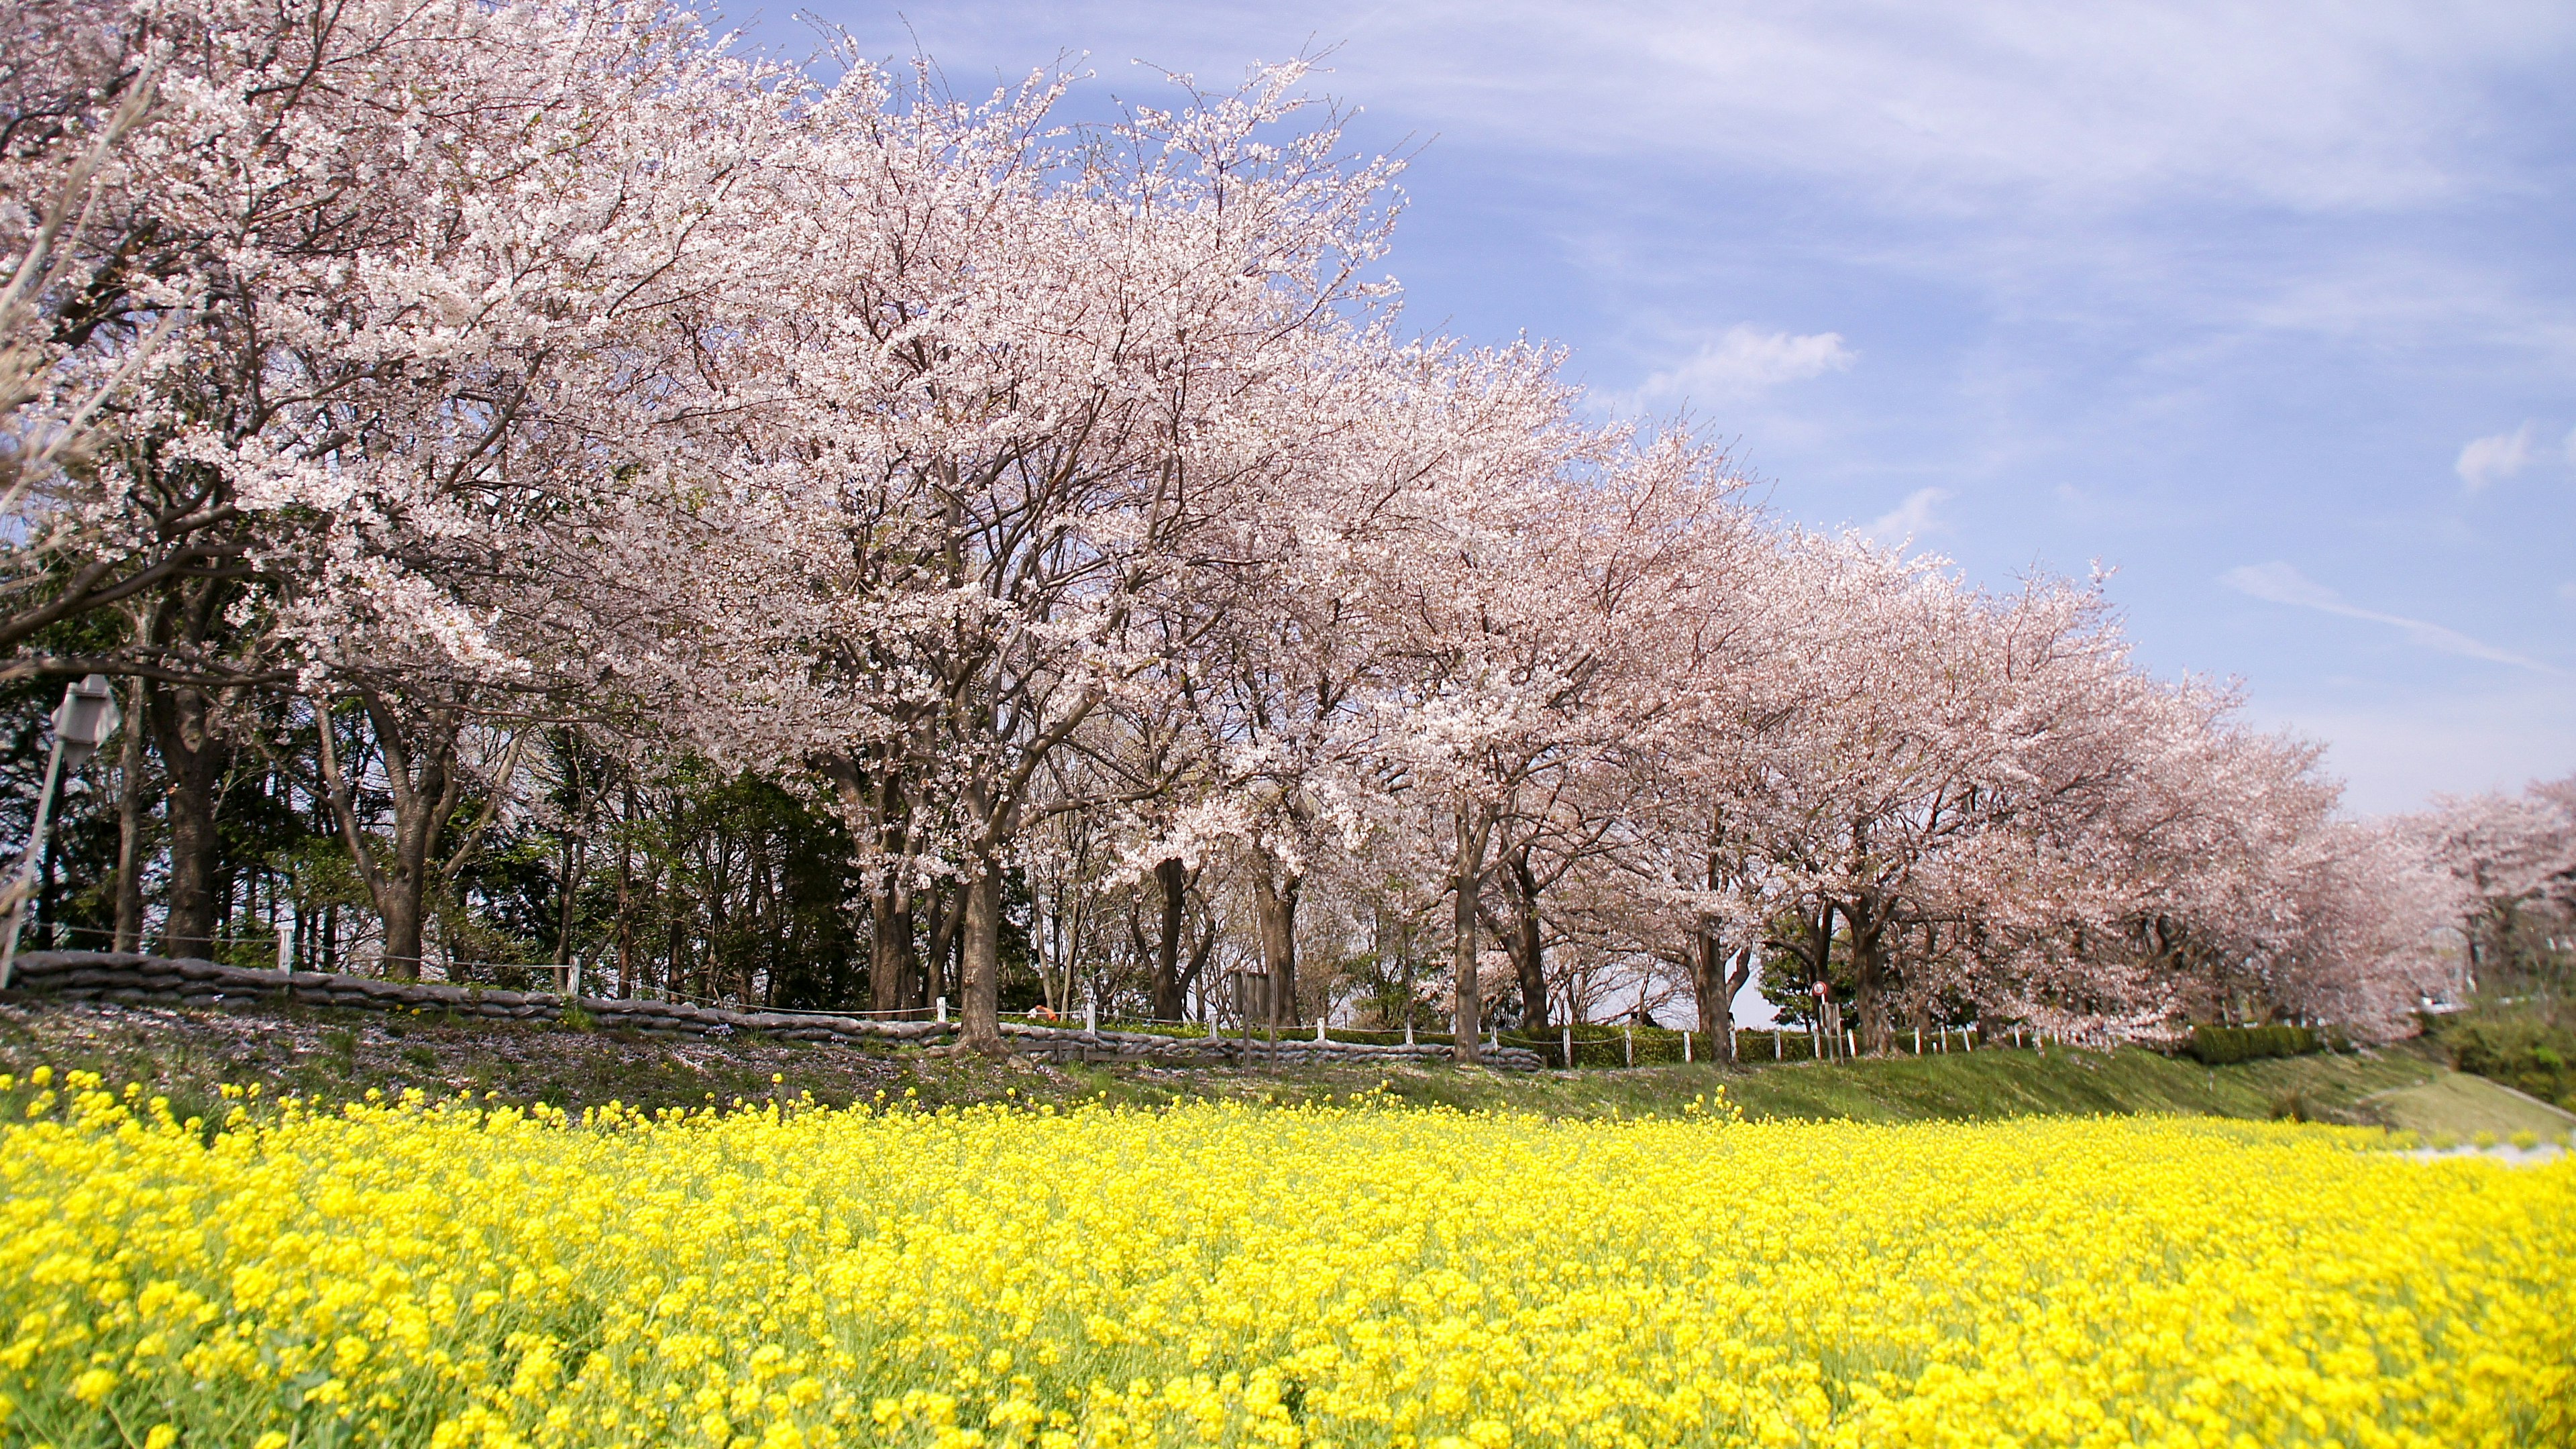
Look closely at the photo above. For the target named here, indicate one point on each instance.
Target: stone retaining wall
(111, 976)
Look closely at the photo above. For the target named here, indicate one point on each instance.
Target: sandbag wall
(159, 980)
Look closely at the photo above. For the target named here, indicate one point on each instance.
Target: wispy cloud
(2281, 583)
(1911, 518)
(2499, 455)
(1744, 360)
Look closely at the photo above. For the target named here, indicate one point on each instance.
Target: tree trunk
(1170, 1004)
(980, 1007)
(1708, 986)
(893, 958)
(1736, 981)
(1526, 943)
(419, 751)
(939, 972)
(194, 756)
(1868, 919)
(626, 891)
(1274, 896)
(1466, 875)
(1815, 946)
(129, 827)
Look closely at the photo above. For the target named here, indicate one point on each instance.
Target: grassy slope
(338, 1055)
(2465, 1106)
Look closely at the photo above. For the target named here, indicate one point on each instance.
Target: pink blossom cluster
(1070, 501)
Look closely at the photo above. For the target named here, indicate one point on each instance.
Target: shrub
(2526, 1050)
(2219, 1045)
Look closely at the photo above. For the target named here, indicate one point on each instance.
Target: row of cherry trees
(2512, 863)
(457, 397)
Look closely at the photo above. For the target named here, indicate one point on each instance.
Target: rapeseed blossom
(781, 1275)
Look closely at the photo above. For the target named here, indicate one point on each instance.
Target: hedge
(2219, 1045)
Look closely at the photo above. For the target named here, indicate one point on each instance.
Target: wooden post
(1628, 1041)
(1565, 1035)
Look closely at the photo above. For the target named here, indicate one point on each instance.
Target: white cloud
(2313, 103)
(1744, 361)
(1910, 519)
(2326, 103)
(2396, 748)
(2500, 455)
(2280, 583)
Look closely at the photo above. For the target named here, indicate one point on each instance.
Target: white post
(1091, 1017)
(1565, 1036)
(1851, 1043)
(1408, 1029)
(1776, 1053)
(1966, 1042)
(286, 939)
(572, 981)
(1628, 1043)
(1918, 1041)
(1319, 1028)
(1686, 1056)
(943, 1009)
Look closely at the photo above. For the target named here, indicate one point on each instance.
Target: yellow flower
(1345, 1274)
(93, 1385)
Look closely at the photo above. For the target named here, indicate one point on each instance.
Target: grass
(333, 1055)
(2463, 1106)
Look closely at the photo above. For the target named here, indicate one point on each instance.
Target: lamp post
(85, 718)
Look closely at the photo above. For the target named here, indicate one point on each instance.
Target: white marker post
(85, 717)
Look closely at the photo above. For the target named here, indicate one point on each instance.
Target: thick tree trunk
(980, 1014)
(1466, 877)
(1708, 986)
(1526, 943)
(1275, 889)
(1868, 919)
(894, 961)
(1170, 1000)
(194, 756)
(420, 765)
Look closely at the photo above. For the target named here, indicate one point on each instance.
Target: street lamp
(82, 722)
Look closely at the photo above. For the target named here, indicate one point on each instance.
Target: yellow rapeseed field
(781, 1275)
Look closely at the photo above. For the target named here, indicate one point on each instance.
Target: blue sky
(2269, 307)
